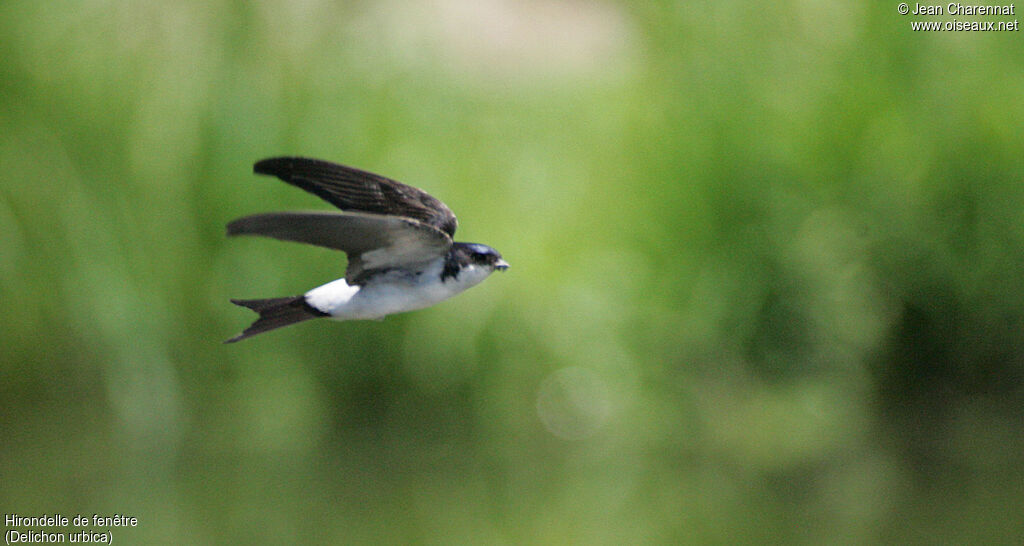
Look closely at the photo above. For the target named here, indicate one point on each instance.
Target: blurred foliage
(765, 286)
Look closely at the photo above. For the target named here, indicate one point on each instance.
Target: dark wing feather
(355, 190)
(373, 242)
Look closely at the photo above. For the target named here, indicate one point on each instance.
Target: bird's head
(481, 255)
(473, 258)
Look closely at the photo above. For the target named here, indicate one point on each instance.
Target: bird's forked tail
(275, 313)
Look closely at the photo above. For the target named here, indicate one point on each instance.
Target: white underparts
(393, 292)
(332, 295)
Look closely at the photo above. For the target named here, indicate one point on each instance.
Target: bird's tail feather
(275, 313)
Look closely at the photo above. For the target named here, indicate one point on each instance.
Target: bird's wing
(354, 190)
(373, 242)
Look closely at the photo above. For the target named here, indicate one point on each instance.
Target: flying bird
(398, 239)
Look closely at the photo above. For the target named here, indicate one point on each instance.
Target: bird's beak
(501, 265)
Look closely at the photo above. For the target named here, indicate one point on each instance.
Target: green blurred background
(766, 280)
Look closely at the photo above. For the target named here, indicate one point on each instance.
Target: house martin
(398, 239)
